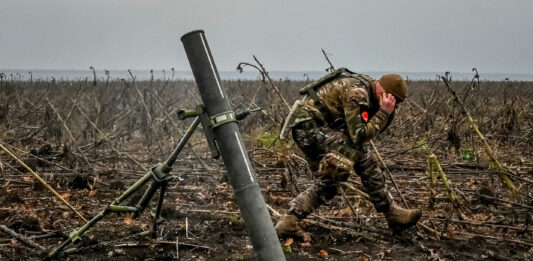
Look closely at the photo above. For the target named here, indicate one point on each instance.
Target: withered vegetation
(91, 139)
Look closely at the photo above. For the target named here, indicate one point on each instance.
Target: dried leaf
(471, 184)
(361, 258)
(92, 193)
(288, 242)
(451, 232)
(128, 219)
(66, 196)
(323, 253)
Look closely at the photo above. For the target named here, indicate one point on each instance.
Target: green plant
(268, 139)
(422, 146)
(468, 153)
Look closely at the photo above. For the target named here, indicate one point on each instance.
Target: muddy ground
(200, 218)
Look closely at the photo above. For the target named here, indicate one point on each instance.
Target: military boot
(288, 226)
(400, 218)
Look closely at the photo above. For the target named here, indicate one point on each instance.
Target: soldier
(341, 112)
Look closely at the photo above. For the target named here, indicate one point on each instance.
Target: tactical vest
(312, 88)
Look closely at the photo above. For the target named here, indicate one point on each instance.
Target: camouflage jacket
(349, 102)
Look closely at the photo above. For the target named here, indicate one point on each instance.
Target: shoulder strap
(326, 78)
(312, 88)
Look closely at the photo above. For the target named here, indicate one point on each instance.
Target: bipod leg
(159, 175)
(113, 207)
(158, 208)
(147, 196)
(134, 188)
(58, 249)
(75, 235)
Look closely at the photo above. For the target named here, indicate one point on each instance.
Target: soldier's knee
(335, 166)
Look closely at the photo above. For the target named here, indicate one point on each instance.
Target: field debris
(91, 140)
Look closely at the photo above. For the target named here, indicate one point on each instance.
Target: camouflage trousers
(335, 157)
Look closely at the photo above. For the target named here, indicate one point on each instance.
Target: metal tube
(158, 207)
(172, 158)
(145, 199)
(241, 174)
(133, 188)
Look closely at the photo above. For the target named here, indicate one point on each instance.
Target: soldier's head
(393, 84)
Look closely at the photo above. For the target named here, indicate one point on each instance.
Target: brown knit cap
(395, 85)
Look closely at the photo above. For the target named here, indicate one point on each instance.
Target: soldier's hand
(387, 102)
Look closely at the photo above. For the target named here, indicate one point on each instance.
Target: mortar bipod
(159, 176)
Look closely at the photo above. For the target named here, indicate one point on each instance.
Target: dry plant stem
(104, 137)
(177, 248)
(75, 101)
(530, 244)
(430, 230)
(264, 112)
(416, 105)
(480, 224)
(148, 116)
(389, 174)
(431, 181)
(43, 182)
(369, 229)
(64, 123)
(211, 211)
(376, 238)
(183, 244)
(488, 149)
(72, 139)
(276, 213)
(363, 194)
(436, 165)
(21, 238)
(524, 110)
(42, 159)
(398, 190)
(274, 86)
(331, 67)
(430, 173)
(505, 201)
(255, 96)
(348, 201)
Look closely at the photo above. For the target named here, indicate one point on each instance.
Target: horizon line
(289, 71)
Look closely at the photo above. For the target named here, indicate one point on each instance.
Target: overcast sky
(365, 35)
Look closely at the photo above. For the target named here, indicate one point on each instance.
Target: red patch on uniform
(365, 116)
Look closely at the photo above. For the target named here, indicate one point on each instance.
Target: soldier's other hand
(387, 102)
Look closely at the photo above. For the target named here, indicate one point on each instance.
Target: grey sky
(368, 35)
